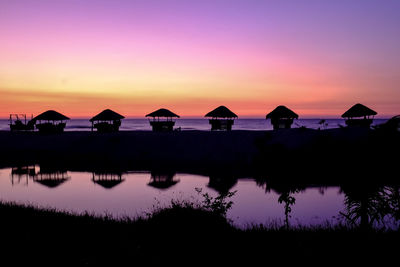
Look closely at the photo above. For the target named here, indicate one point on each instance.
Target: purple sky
(318, 57)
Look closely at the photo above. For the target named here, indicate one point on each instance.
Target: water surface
(136, 193)
(202, 124)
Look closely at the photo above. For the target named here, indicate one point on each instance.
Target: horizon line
(308, 117)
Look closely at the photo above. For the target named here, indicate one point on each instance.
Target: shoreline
(239, 153)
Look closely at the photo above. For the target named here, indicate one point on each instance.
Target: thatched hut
(282, 117)
(359, 115)
(162, 120)
(107, 121)
(107, 179)
(50, 122)
(222, 118)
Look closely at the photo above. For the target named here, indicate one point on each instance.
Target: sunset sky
(316, 57)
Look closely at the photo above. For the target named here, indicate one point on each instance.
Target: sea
(203, 124)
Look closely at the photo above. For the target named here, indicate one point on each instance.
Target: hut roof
(221, 112)
(107, 115)
(282, 112)
(50, 115)
(162, 112)
(358, 110)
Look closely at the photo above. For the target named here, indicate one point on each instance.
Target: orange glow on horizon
(79, 58)
(84, 105)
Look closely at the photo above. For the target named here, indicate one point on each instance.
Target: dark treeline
(303, 155)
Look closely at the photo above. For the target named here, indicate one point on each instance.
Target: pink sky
(79, 57)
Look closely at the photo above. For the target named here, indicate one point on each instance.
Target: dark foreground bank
(338, 155)
(181, 234)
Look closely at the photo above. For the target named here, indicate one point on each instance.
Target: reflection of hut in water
(51, 178)
(21, 172)
(107, 180)
(359, 115)
(106, 121)
(50, 122)
(163, 120)
(222, 184)
(282, 117)
(18, 122)
(162, 180)
(222, 118)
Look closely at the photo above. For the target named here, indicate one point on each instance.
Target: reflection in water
(45, 176)
(22, 174)
(107, 179)
(259, 200)
(285, 191)
(23, 171)
(162, 180)
(51, 178)
(222, 184)
(368, 205)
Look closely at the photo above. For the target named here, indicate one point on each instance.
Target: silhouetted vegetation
(361, 161)
(182, 233)
(370, 204)
(218, 205)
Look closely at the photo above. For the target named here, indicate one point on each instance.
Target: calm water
(132, 194)
(201, 124)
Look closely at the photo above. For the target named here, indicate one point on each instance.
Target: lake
(137, 193)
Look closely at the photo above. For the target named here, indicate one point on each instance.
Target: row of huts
(163, 119)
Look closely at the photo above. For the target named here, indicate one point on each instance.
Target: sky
(316, 57)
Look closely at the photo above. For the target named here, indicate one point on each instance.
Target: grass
(182, 233)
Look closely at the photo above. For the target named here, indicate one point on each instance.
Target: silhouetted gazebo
(166, 123)
(50, 122)
(282, 117)
(359, 115)
(221, 118)
(18, 122)
(107, 121)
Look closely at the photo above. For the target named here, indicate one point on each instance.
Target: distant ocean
(201, 124)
